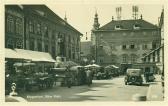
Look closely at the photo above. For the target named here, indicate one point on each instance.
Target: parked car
(133, 76)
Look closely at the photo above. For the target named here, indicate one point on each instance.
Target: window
(153, 56)
(154, 45)
(31, 26)
(133, 58)
(38, 28)
(46, 31)
(19, 26)
(32, 45)
(125, 58)
(124, 46)
(136, 26)
(39, 46)
(46, 48)
(132, 46)
(117, 27)
(144, 46)
(149, 58)
(10, 24)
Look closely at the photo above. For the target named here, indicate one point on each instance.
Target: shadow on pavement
(64, 93)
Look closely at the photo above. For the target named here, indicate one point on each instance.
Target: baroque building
(37, 28)
(123, 41)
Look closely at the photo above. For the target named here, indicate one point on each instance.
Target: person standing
(68, 77)
(89, 76)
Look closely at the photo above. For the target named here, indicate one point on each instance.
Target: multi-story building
(156, 56)
(40, 29)
(86, 52)
(14, 27)
(123, 41)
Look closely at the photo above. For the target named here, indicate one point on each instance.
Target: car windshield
(134, 72)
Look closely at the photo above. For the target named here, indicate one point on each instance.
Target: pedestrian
(89, 76)
(68, 77)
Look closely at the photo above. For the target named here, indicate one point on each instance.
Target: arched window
(124, 58)
(10, 24)
(133, 58)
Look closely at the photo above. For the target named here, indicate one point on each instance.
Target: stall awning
(28, 55)
(35, 55)
(10, 53)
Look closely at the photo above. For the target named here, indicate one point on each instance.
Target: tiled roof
(128, 24)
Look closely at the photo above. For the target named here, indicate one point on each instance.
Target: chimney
(118, 12)
(135, 12)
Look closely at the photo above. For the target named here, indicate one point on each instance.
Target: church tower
(96, 22)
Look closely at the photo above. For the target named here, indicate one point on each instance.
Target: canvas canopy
(28, 55)
(35, 55)
(92, 65)
(9, 53)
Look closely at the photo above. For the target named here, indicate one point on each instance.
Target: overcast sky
(81, 15)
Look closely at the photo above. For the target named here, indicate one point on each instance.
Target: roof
(128, 24)
(46, 12)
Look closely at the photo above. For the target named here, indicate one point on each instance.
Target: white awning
(35, 55)
(28, 55)
(9, 53)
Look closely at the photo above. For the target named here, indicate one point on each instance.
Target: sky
(81, 15)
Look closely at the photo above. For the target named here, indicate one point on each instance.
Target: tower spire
(65, 18)
(96, 21)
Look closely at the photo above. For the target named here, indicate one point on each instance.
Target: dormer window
(136, 26)
(117, 27)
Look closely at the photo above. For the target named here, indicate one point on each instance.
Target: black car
(133, 76)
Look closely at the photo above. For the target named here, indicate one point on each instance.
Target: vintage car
(133, 76)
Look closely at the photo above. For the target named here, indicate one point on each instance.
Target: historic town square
(80, 53)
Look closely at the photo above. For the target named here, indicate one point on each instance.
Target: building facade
(14, 27)
(157, 56)
(123, 41)
(86, 56)
(44, 31)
